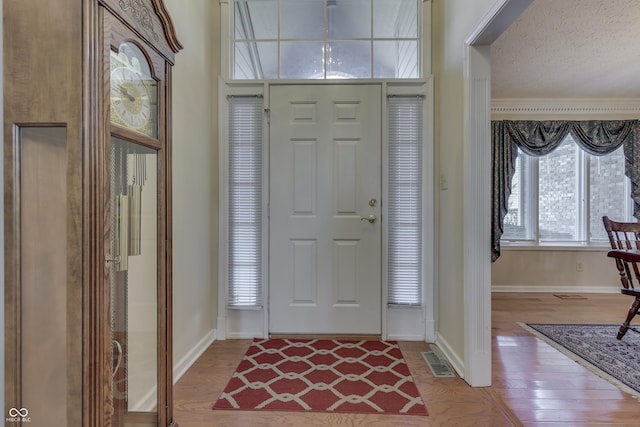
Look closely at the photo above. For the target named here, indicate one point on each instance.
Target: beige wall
(195, 172)
(554, 271)
(453, 21)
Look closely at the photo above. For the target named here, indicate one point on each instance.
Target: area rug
(323, 375)
(596, 347)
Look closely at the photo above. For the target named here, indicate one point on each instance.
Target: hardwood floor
(533, 384)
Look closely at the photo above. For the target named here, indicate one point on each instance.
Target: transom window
(561, 197)
(326, 39)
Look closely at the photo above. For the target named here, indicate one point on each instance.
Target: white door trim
(397, 323)
(477, 188)
(402, 323)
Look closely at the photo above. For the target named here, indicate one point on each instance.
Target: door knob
(371, 218)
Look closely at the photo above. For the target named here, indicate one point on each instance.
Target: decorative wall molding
(530, 106)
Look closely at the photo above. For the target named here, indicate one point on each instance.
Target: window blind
(245, 215)
(404, 211)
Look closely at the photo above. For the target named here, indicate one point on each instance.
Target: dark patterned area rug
(596, 347)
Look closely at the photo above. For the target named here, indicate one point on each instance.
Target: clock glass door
(134, 283)
(134, 91)
(133, 308)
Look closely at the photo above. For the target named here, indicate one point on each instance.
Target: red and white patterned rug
(323, 375)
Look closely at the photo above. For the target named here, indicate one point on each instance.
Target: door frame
(477, 187)
(398, 323)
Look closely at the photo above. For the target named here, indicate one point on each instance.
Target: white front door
(325, 176)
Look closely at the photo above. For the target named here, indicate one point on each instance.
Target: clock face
(134, 93)
(130, 98)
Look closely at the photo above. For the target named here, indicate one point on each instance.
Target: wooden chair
(625, 244)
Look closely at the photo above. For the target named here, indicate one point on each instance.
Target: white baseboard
(557, 289)
(180, 368)
(245, 335)
(454, 359)
(405, 337)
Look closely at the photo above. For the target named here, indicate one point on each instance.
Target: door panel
(325, 163)
(46, 388)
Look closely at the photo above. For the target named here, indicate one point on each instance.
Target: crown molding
(581, 106)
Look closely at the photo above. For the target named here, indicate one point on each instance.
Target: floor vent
(438, 363)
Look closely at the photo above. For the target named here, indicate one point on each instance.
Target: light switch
(444, 182)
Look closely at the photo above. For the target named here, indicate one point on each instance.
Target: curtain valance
(538, 138)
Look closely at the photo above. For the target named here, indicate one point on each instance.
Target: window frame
(224, 309)
(227, 33)
(397, 322)
(530, 198)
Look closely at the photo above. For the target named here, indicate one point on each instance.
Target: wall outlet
(579, 266)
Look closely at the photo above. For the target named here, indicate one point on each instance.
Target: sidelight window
(404, 211)
(245, 212)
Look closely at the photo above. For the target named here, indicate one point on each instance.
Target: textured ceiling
(570, 49)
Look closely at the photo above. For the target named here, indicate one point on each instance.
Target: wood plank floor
(533, 384)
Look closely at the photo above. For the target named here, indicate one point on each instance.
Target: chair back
(624, 235)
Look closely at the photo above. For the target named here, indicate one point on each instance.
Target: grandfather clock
(87, 183)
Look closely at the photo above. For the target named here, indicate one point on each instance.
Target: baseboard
(180, 368)
(405, 337)
(245, 335)
(557, 289)
(456, 362)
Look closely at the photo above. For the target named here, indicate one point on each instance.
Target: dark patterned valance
(538, 138)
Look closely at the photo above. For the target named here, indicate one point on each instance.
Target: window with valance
(539, 138)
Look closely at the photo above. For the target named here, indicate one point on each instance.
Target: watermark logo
(18, 416)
